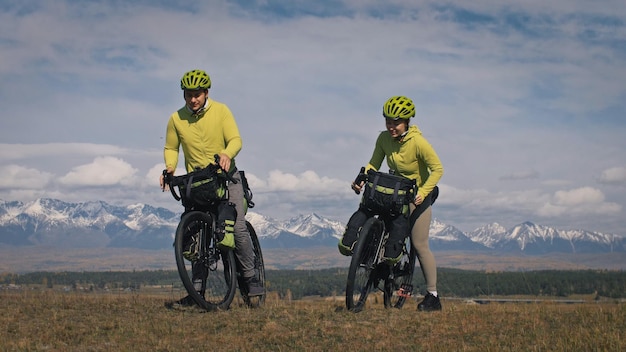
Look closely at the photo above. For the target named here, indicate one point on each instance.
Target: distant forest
(332, 282)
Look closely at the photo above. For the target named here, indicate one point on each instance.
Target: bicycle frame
(367, 268)
(221, 266)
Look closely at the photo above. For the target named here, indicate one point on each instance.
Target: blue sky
(524, 101)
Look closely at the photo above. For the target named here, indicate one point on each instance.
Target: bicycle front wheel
(259, 271)
(399, 287)
(361, 275)
(209, 277)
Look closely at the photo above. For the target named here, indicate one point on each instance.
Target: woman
(410, 155)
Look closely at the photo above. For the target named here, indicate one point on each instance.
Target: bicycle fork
(208, 257)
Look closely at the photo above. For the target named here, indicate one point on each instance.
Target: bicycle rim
(259, 271)
(361, 280)
(210, 279)
(399, 286)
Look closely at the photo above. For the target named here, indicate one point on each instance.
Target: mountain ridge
(97, 224)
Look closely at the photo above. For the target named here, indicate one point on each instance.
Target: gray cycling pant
(419, 237)
(243, 244)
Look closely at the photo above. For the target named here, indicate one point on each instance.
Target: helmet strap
(401, 137)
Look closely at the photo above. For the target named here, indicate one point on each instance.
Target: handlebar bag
(387, 194)
(202, 188)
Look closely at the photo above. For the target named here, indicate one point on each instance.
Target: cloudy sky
(524, 101)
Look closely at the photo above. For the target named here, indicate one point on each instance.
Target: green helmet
(194, 80)
(399, 107)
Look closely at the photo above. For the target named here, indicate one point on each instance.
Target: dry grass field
(49, 320)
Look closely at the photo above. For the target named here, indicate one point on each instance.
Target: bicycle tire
(259, 269)
(399, 287)
(216, 268)
(361, 277)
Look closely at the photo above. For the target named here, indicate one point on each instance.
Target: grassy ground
(47, 320)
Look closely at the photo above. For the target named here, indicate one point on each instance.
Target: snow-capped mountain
(98, 224)
(537, 239)
(488, 235)
(447, 237)
(299, 232)
(91, 224)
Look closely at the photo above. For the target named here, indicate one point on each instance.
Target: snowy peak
(536, 239)
(303, 225)
(97, 224)
(311, 225)
(90, 224)
(488, 235)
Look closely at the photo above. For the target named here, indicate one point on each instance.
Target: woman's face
(396, 127)
(195, 99)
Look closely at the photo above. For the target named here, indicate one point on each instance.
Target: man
(205, 127)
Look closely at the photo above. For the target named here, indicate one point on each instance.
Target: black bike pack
(388, 194)
(202, 188)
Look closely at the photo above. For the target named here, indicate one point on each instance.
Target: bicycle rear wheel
(398, 287)
(361, 275)
(259, 269)
(210, 278)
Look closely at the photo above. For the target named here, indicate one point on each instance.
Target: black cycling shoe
(429, 304)
(255, 288)
(186, 301)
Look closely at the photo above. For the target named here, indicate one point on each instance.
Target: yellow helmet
(399, 107)
(194, 80)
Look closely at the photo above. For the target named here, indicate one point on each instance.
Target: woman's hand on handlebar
(357, 187)
(358, 183)
(164, 185)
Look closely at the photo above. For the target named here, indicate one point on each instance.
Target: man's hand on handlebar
(224, 161)
(169, 172)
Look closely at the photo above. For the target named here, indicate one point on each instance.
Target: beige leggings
(419, 236)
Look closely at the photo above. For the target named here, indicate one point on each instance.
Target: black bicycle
(368, 272)
(211, 276)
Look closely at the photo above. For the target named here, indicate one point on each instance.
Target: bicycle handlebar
(216, 169)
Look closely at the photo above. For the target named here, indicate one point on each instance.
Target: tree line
(332, 282)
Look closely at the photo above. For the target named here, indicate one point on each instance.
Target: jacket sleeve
(377, 156)
(232, 138)
(434, 170)
(172, 144)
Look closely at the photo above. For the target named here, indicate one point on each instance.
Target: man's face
(195, 99)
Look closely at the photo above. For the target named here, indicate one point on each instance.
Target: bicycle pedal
(405, 290)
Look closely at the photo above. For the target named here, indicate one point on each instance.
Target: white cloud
(614, 176)
(26, 151)
(521, 175)
(16, 177)
(103, 171)
(308, 182)
(536, 100)
(577, 202)
(578, 196)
